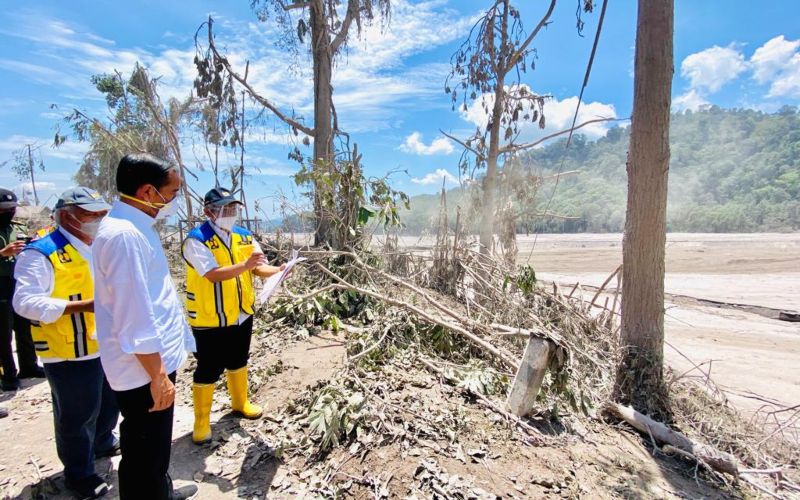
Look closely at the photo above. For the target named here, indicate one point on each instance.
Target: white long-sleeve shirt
(137, 308)
(202, 259)
(35, 282)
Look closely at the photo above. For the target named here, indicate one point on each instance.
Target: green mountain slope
(730, 171)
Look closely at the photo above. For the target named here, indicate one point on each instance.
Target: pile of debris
(434, 340)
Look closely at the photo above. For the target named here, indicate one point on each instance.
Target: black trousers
(219, 349)
(146, 442)
(22, 328)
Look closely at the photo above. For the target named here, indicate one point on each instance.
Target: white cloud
(47, 192)
(690, 100)
(788, 83)
(279, 171)
(70, 150)
(370, 78)
(558, 116)
(777, 62)
(770, 59)
(40, 185)
(414, 145)
(437, 177)
(712, 68)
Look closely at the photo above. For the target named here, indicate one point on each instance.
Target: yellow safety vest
(211, 304)
(71, 335)
(41, 233)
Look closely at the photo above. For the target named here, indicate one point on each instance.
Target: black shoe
(3, 413)
(36, 372)
(9, 385)
(110, 452)
(185, 492)
(88, 487)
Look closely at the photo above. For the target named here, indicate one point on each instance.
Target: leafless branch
(352, 12)
(253, 93)
(480, 156)
(514, 148)
(519, 53)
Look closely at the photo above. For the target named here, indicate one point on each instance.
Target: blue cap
(86, 198)
(219, 197)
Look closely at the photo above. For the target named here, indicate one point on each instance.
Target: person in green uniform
(13, 238)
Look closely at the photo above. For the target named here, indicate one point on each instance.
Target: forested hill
(731, 171)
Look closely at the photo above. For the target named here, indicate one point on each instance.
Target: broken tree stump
(718, 460)
(529, 376)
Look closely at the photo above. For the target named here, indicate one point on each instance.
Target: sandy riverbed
(748, 353)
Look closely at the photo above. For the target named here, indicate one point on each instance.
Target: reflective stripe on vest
(214, 304)
(70, 336)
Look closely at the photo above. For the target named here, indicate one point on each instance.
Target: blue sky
(389, 85)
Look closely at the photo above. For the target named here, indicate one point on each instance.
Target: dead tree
(24, 166)
(327, 25)
(486, 71)
(640, 375)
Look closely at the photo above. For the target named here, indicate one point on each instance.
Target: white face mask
(168, 210)
(90, 228)
(165, 210)
(87, 228)
(226, 223)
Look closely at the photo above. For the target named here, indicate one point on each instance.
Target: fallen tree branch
(717, 460)
(344, 285)
(754, 484)
(604, 285)
(371, 348)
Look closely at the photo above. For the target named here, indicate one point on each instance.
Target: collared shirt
(202, 259)
(35, 282)
(137, 308)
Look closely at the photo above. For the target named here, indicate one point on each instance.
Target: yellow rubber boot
(203, 395)
(237, 386)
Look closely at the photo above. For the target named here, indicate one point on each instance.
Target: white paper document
(272, 283)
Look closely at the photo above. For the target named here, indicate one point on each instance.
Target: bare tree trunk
(241, 166)
(33, 181)
(323, 128)
(489, 182)
(640, 374)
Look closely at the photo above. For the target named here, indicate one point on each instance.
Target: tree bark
(490, 180)
(323, 128)
(718, 460)
(33, 181)
(640, 374)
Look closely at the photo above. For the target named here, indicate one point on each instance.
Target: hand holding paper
(272, 283)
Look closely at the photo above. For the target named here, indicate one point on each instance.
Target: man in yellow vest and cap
(221, 260)
(55, 290)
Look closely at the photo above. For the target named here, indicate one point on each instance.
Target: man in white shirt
(54, 290)
(221, 261)
(143, 334)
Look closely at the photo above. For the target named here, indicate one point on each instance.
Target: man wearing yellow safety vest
(55, 290)
(221, 261)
